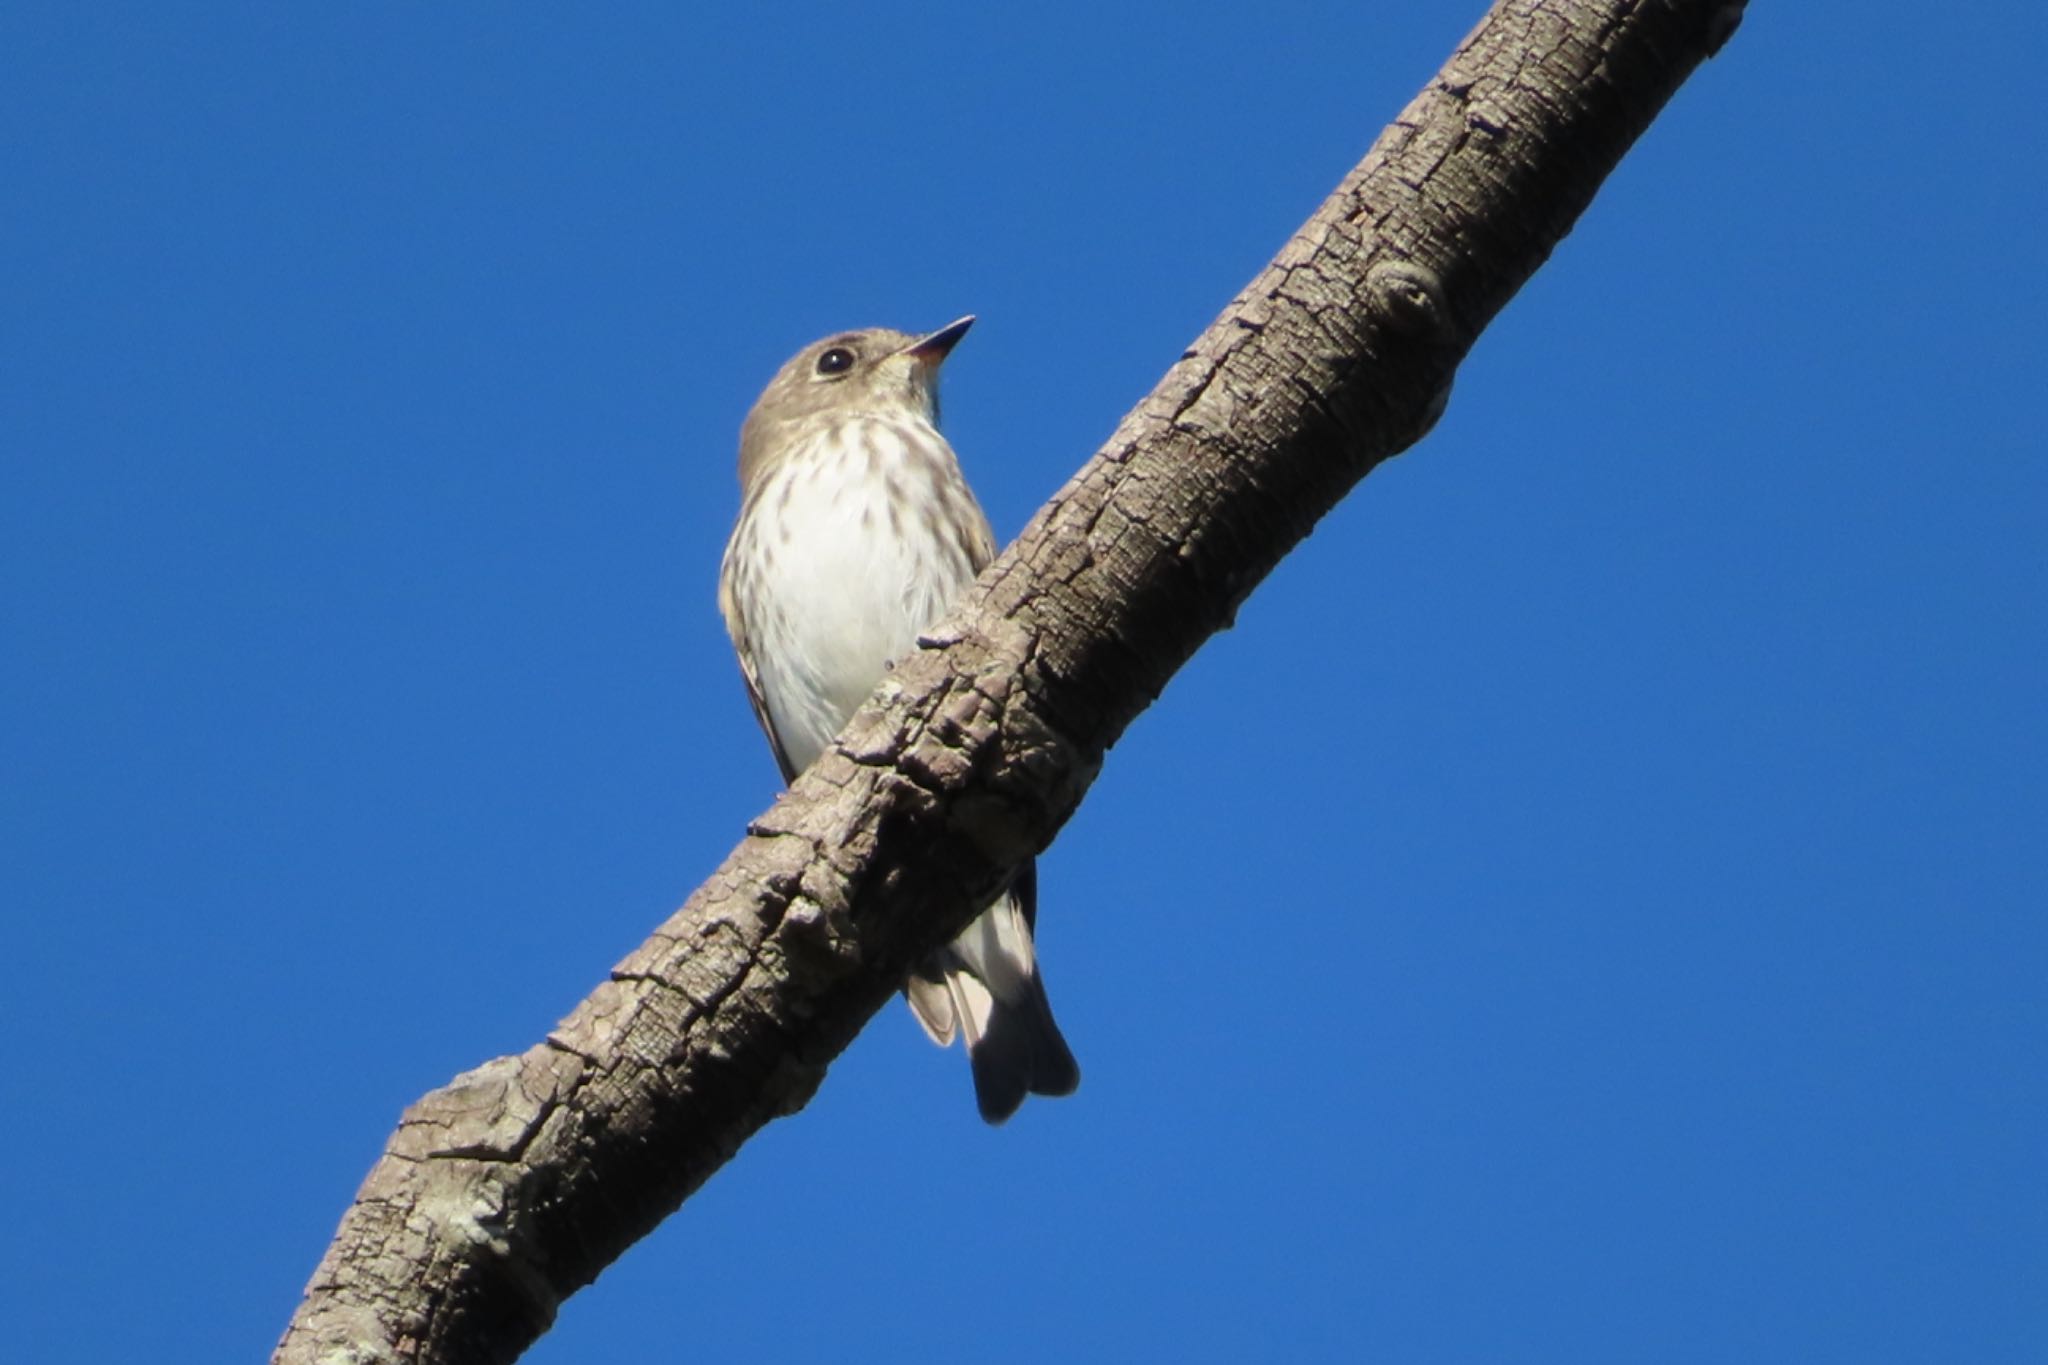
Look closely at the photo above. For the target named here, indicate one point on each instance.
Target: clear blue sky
(1590, 909)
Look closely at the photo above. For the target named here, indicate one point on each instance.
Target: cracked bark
(504, 1192)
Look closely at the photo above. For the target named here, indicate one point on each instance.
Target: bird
(856, 532)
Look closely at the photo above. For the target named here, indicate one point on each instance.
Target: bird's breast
(849, 548)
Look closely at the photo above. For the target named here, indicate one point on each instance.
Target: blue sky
(1590, 908)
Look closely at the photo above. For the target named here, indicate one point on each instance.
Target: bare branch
(514, 1186)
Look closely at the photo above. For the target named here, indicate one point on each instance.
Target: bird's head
(877, 371)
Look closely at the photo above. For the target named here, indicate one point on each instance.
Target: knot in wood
(1411, 298)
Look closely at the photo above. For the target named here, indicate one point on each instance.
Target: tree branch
(512, 1187)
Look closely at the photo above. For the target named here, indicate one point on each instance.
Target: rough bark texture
(514, 1186)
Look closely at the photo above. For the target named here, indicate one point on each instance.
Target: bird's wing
(981, 538)
(743, 647)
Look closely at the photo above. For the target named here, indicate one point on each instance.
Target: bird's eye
(838, 360)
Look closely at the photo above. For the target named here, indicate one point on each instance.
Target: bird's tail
(984, 986)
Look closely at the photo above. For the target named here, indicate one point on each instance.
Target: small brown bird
(856, 532)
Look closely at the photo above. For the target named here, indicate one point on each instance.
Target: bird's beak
(934, 346)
